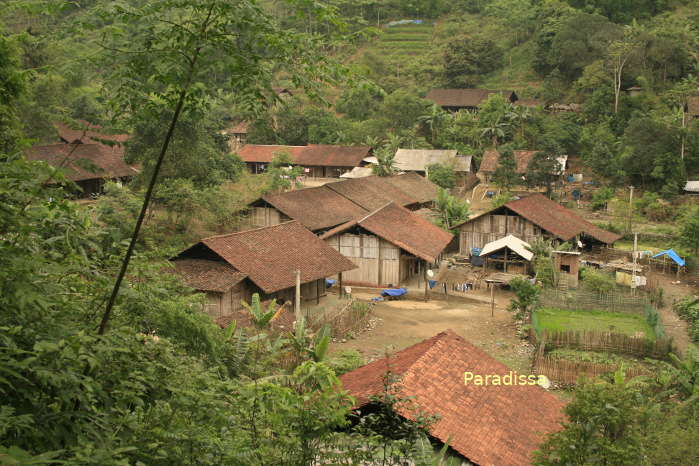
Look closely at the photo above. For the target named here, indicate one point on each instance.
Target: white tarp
(510, 241)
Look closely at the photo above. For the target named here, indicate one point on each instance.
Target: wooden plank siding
(488, 228)
(224, 304)
(266, 217)
(379, 262)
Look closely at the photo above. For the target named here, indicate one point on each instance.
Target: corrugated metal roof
(419, 159)
(511, 242)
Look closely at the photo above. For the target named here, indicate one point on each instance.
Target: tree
(526, 297)
(689, 229)
(505, 175)
(11, 86)
(452, 211)
(468, 58)
(442, 175)
(619, 53)
(176, 56)
(385, 162)
(282, 174)
(604, 427)
(543, 170)
(433, 120)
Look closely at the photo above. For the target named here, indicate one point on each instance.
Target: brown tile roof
(403, 228)
(491, 160)
(207, 275)
(270, 256)
(554, 218)
(84, 161)
(488, 425)
(372, 192)
(312, 155)
(463, 97)
(418, 187)
(240, 128)
(86, 134)
(693, 105)
(316, 208)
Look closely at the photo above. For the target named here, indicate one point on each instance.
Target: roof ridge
(226, 235)
(375, 212)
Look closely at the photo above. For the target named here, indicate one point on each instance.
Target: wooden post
(633, 271)
(492, 299)
(426, 278)
(318, 289)
(504, 266)
(339, 282)
(297, 307)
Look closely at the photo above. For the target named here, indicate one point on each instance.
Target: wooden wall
(265, 217)
(488, 228)
(223, 304)
(379, 262)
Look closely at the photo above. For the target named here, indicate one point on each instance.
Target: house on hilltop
(529, 219)
(390, 245)
(494, 424)
(230, 268)
(317, 160)
(332, 204)
(454, 100)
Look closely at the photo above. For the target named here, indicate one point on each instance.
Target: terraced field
(404, 40)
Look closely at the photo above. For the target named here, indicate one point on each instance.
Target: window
(565, 268)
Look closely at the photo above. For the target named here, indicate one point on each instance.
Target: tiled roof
(491, 160)
(419, 159)
(316, 208)
(372, 192)
(240, 128)
(84, 161)
(488, 425)
(271, 256)
(403, 228)
(418, 187)
(208, 275)
(311, 155)
(463, 97)
(556, 219)
(86, 134)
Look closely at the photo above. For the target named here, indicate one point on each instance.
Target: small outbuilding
(509, 254)
(418, 160)
(230, 268)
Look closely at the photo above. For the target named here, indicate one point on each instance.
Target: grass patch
(599, 321)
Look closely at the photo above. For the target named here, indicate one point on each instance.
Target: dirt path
(404, 323)
(674, 326)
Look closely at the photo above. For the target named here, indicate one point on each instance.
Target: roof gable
(270, 256)
(403, 228)
(496, 424)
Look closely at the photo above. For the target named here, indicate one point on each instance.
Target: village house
(530, 219)
(454, 100)
(523, 158)
(499, 423)
(390, 246)
(89, 165)
(230, 268)
(332, 204)
(87, 133)
(317, 160)
(418, 160)
(237, 136)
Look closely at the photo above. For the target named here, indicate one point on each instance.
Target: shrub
(598, 281)
(688, 309)
(345, 361)
(443, 176)
(601, 197)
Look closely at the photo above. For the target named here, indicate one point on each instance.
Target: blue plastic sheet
(672, 255)
(431, 283)
(394, 292)
(329, 282)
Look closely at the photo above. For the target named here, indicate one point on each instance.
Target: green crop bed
(598, 321)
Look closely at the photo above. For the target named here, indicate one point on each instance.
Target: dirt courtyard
(405, 322)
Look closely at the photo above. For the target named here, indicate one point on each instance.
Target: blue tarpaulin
(431, 283)
(329, 282)
(394, 292)
(672, 255)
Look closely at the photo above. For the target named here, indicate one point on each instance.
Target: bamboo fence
(347, 319)
(567, 372)
(590, 300)
(608, 342)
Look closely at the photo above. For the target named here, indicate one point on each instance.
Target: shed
(230, 268)
(567, 267)
(499, 422)
(390, 245)
(509, 253)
